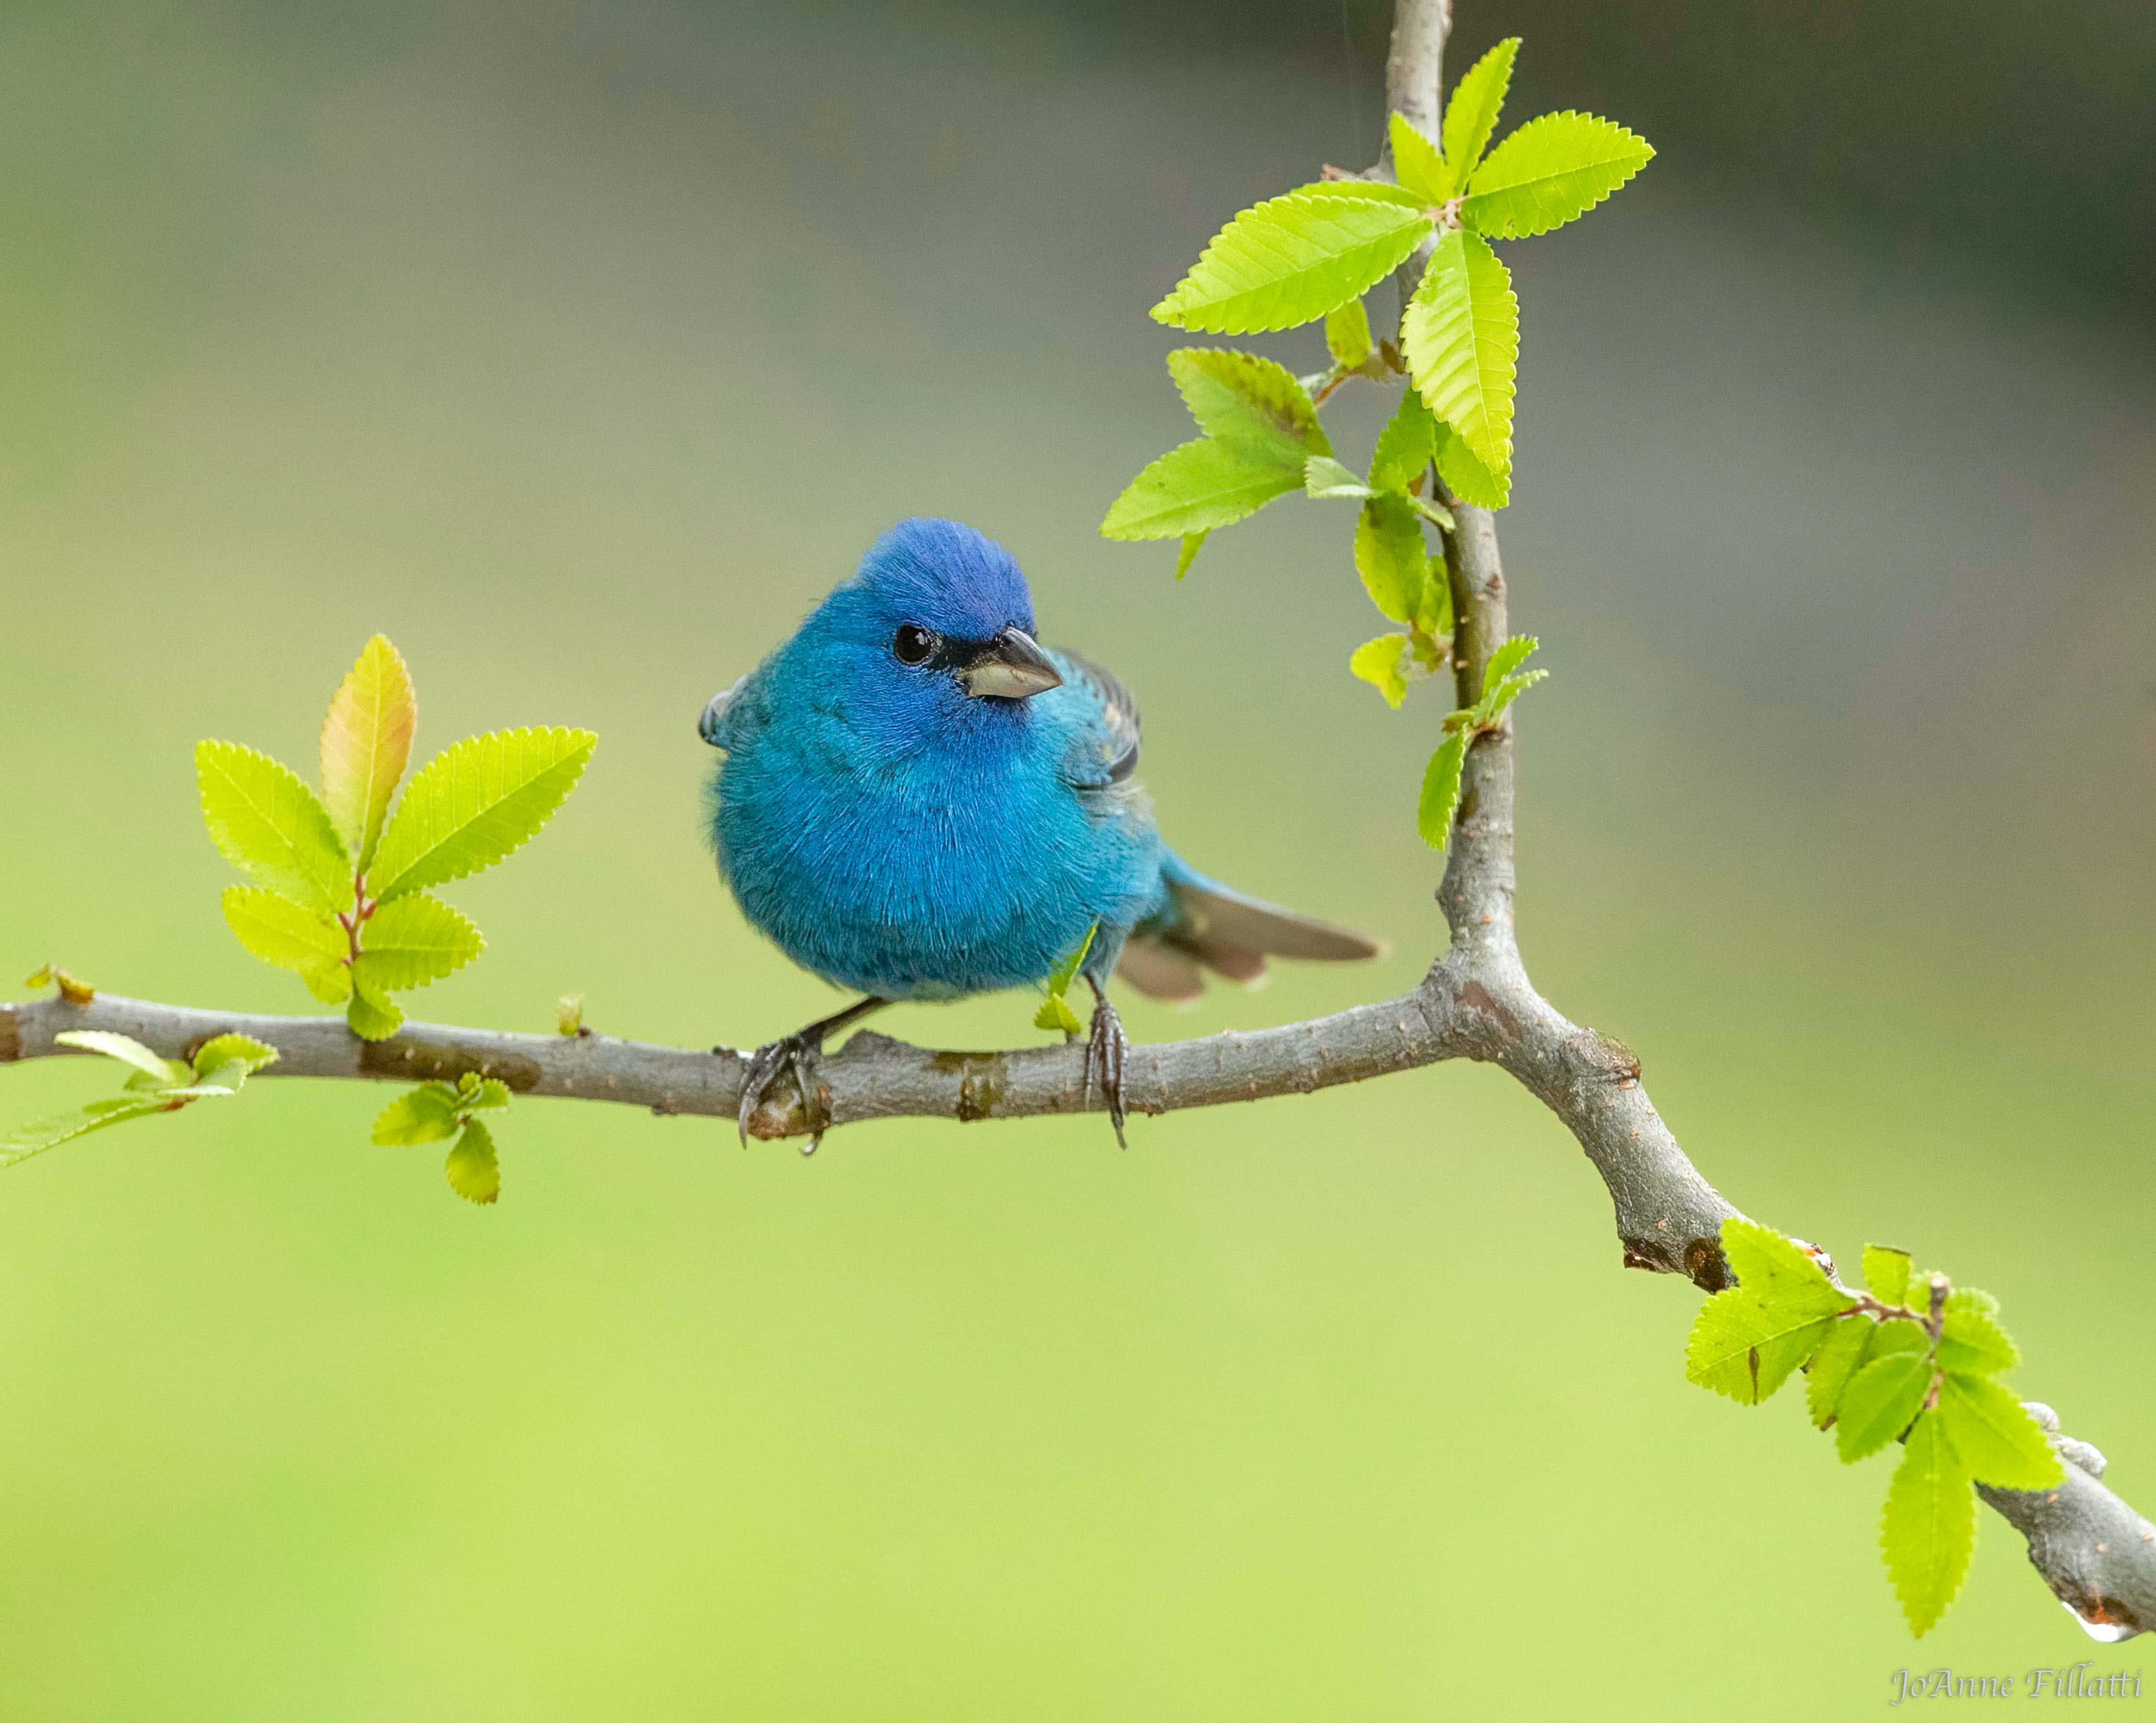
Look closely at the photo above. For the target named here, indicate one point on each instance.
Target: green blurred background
(581, 347)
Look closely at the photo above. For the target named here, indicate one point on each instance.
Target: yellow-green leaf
(268, 824)
(427, 1114)
(275, 928)
(1187, 553)
(474, 1171)
(1471, 116)
(366, 742)
(1194, 488)
(1998, 1441)
(127, 1050)
(1440, 790)
(1348, 335)
(1550, 170)
(1378, 663)
(1465, 477)
(475, 803)
(1248, 400)
(1462, 337)
(412, 940)
(1929, 1527)
(1417, 165)
(1292, 258)
(1392, 557)
(371, 1014)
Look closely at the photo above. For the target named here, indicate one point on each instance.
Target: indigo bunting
(919, 802)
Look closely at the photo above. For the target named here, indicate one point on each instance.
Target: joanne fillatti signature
(2075, 1681)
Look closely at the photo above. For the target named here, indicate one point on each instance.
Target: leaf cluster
(436, 1113)
(340, 896)
(219, 1068)
(1881, 1368)
(1310, 254)
(1055, 1011)
(1503, 681)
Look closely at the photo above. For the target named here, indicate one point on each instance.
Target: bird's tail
(1210, 926)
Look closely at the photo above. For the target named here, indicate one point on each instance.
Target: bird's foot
(1106, 1049)
(797, 1056)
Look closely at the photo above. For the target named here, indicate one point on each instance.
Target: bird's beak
(707, 726)
(1013, 668)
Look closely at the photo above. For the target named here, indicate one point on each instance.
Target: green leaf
(1378, 662)
(249, 1054)
(1471, 116)
(1293, 258)
(1506, 659)
(1887, 1274)
(1323, 476)
(1465, 477)
(1406, 445)
(411, 941)
(127, 1050)
(1462, 337)
(371, 1013)
(1969, 1340)
(476, 803)
(275, 928)
(1998, 1441)
(26, 1140)
(481, 1094)
(268, 824)
(1391, 557)
(1929, 1528)
(1434, 614)
(1194, 488)
(1417, 165)
(1348, 336)
(1879, 1401)
(1833, 1364)
(1248, 401)
(427, 1114)
(366, 742)
(1746, 1340)
(1440, 790)
(475, 1173)
(1055, 1012)
(1189, 553)
(1551, 170)
(1436, 514)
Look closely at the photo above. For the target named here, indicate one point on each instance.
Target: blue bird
(918, 802)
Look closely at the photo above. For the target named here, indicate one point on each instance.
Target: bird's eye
(913, 644)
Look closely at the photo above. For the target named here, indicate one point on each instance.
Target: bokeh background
(581, 347)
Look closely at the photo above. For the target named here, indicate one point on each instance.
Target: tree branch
(2097, 1554)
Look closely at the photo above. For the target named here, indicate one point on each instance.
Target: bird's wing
(1117, 756)
(1215, 926)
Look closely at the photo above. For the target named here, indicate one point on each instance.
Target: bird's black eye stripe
(913, 644)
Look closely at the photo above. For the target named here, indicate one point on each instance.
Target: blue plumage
(918, 802)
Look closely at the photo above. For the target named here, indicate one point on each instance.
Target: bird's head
(937, 624)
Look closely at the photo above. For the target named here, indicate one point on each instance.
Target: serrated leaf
(293, 937)
(1405, 446)
(127, 1050)
(1248, 401)
(1887, 1274)
(269, 825)
(1506, 659)
(1465, 477)
(1471, 116)
(34, 1138)
(1378, 662)
(1833, 1364)
(1440, 790)
(1929, 1528)
(371, 1013)
(475, 1172)
(1552, 169)
(476, 803)
(1507, 692)
(1391, 557)
(1292, 258)
(1745, 1341)
(1188, 554)
(1462, 337)
(411, 941)
(1999, 1443)
(1434, 613)
(425, 1114)
(1348, 335)
(1879, 1401)
(366, 743)
(1417, 165)
(244, 1050)
(1323, 477)
(1194, 488)
(1055, 1013)
(482, 1094)
(1970, 1340)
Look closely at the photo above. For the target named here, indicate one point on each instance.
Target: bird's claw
(794, 1055)
(1106, 1049)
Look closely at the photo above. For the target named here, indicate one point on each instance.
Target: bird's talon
(1106, 1047)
